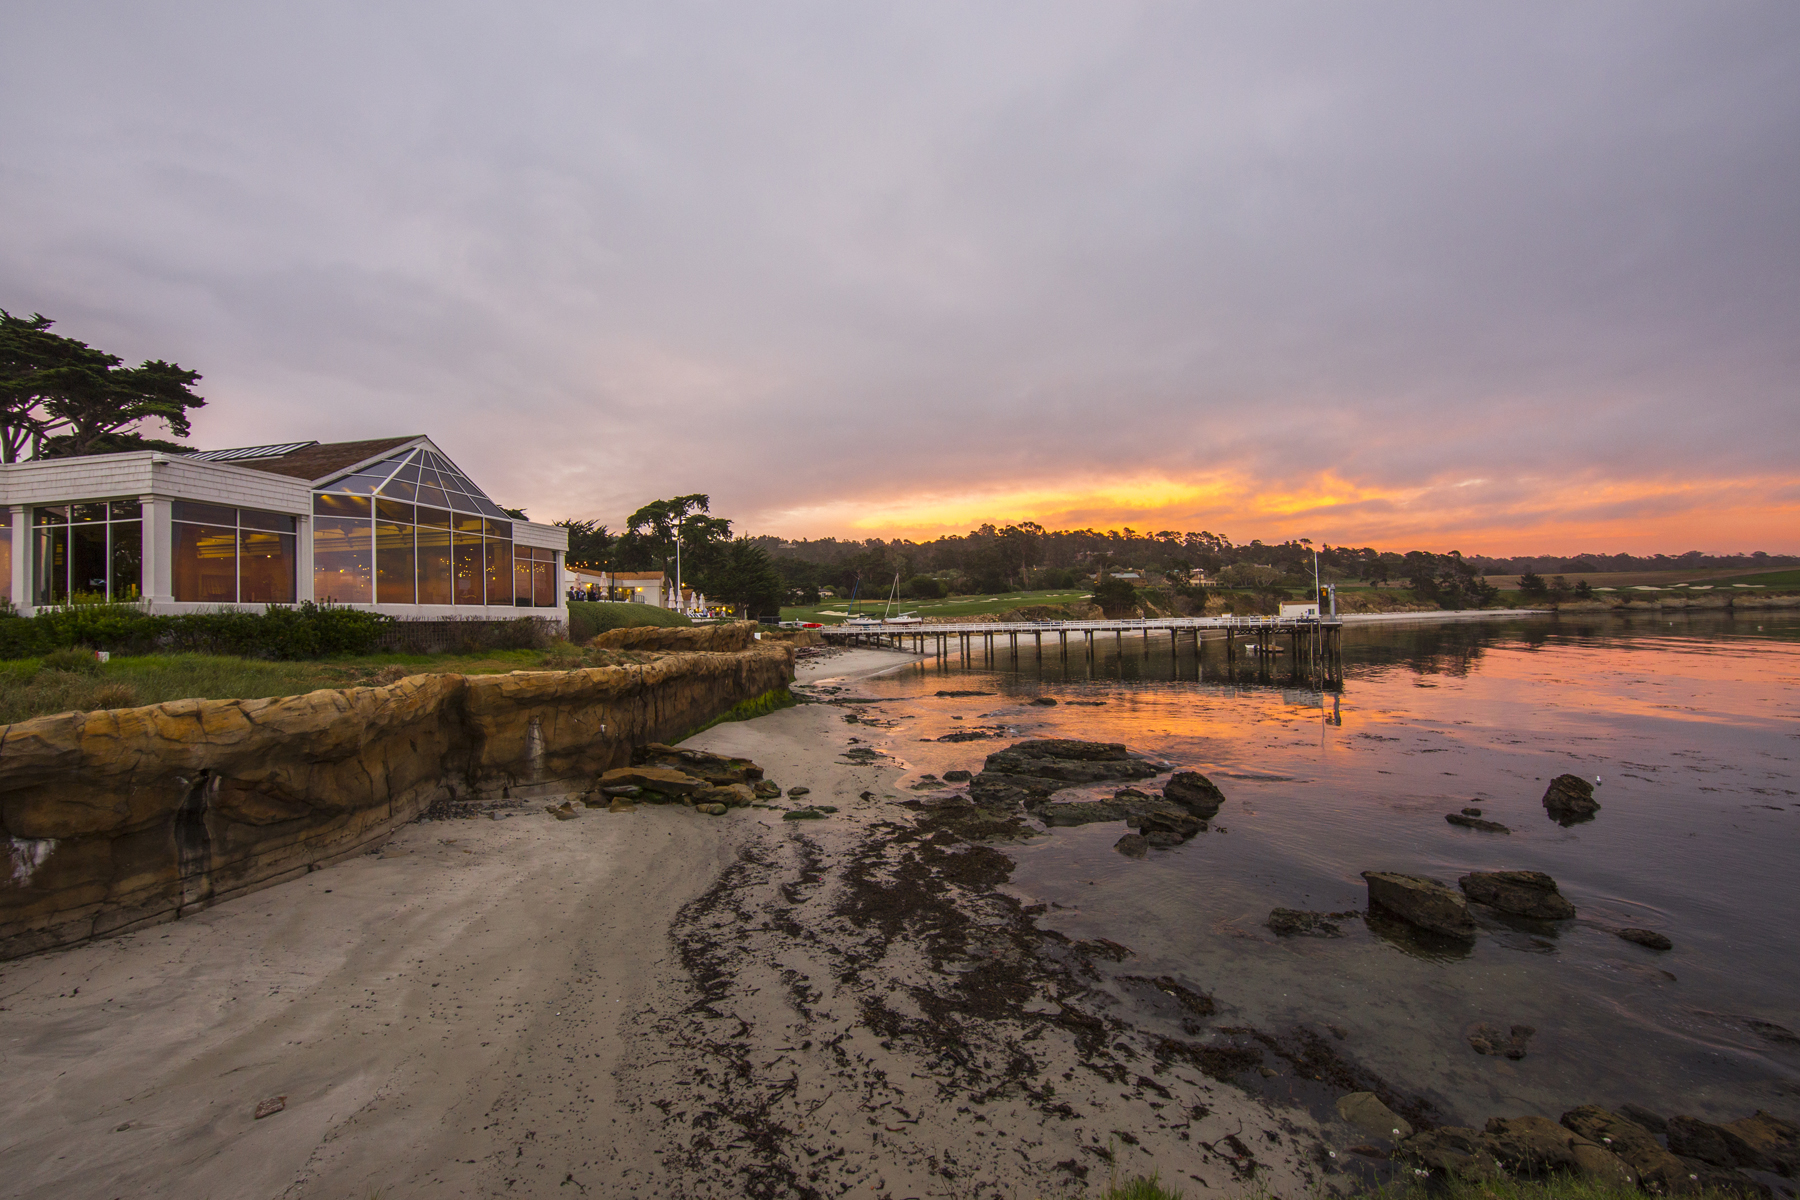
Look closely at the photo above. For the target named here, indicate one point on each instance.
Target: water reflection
(1690, 721)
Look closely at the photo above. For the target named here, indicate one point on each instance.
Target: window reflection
(89, 551)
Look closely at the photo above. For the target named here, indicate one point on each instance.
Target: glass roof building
(390, 524)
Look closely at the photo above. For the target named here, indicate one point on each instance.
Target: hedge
(306, 630)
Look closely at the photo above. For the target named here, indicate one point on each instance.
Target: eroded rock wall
(114, 819)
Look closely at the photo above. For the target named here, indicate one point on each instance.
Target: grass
(588, 618)
(1141, 1188)
(955, 606)
(29, 688)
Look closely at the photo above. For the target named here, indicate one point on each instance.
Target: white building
(637, 587)
(391, 524)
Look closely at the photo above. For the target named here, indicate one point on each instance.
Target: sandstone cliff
(722, 639)
(113, 819)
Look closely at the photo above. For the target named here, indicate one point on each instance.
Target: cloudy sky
(1499, 277)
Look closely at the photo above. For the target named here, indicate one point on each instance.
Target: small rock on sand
(711, 810)
(1467, 822)
(798, 791)
(269, 1107)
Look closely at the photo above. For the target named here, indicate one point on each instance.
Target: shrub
(306, 630)
(1054, 577)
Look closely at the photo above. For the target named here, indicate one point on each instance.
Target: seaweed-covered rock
(1534, 1147)
(662, 782)
(1775, 1141)
(1421, 902)
(1194, 792)
(1179, 825)
(1570, 799)
(1293, 922)
(716, 769)
(1030, 771)
(1647, 938)
(1521, 893)
(1719, 1145)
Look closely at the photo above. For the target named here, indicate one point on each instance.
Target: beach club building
(391, 525)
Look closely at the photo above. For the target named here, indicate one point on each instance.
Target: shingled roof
(325, 458)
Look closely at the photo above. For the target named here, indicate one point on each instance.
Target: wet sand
(643, 1003)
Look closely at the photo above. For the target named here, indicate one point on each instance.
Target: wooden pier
(1318, 644)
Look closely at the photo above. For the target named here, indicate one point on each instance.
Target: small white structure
(390, 525)
(1304, 610)
(637, 587)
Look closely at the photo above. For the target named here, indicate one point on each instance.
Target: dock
(1318, 643)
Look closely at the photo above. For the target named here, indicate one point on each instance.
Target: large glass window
(92, 551)
(424, 534)
(534, 577)
(225, 555)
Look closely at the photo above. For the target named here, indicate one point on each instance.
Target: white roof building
(391, 525)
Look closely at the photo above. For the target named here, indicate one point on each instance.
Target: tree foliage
(744, 577)
(61, 397)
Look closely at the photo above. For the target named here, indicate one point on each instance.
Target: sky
(1505, 278)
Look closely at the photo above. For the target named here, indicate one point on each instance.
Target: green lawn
(29, 689)
(955, 606)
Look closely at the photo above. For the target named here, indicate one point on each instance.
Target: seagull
(1596, 781)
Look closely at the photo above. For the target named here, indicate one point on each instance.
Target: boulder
(1163, 840)
(1421, 902)
(1521, 893)
(1178, 825)
(566, 811)
(1657, 1170)
(660, 780)
(1194, 792)
(957, 776)
(1086, 812)
(1475, 822)
(1648, 938)
(1032, 770)
(1451, 1150)
(712, 810)
(1775, 1141)
(716, 769)
(1366, 1111)
(1570, 799)
(798, 791)
(1132, 845)
(1535, 1147)
(1292, 922)
(763, 789)
(1720, 1145)
(716, 639)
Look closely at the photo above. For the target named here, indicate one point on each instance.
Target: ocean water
(1691, 724)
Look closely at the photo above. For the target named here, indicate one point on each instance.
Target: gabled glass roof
(422, 477)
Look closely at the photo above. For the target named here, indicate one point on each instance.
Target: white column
(159, 550)
(303, 559)
(21, 558)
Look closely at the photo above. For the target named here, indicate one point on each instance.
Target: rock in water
(1486, 1039)
(1570, 799)
(1423, 902)
(1366, 1111)
(1179, 825)
(1521, 893)
(1647, 937)
(1292, 922)
(1132, 845)
(1045, 701)
(1468, 822)
(1194, 792)
(957, 776)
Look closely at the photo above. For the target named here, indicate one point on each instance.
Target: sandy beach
(645, 1003)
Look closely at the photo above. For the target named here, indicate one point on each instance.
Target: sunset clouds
(1508, 278)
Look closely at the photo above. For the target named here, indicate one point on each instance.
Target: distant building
(635, 587)
(390, 525)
